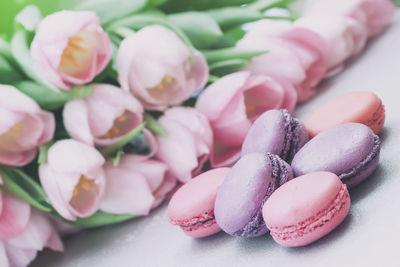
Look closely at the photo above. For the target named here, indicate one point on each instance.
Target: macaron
(245, 189)
(306, 208)
(192, 205)
(350, 150)
(276, 132)
(362, 107)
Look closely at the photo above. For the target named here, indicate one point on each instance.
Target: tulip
(188, 143)
(232, 103)
(344, 35)
(23, 127)
(294, 54)
(71, 48)
(23, 232)
(103, 117)
(135, 185)
(73, 178)
(374, 15)
(159, 69)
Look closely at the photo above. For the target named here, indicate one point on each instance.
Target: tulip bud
(23, 127)
(73, 178)
(159, 69)
(103, 117)
(71, 48)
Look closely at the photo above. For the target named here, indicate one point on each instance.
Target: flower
(294, 54)
(136, 185)
(23, 232)
(103, 117)
(73, 178)
(373, 15)
(23, 127)
(159, 69)
(344, 36)
(71, 48)
(188, 143)
(233, 102)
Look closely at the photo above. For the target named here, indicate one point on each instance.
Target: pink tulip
(23, 127)
(374, 15)
(233, 102)
(71, 48)
(295, 54)
(133, 186)
(73, 178)
(23, 232)
(159, 69)
(103, 117)
(188, 143)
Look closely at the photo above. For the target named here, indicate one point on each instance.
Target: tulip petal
(14, 216)
(3, 256)
(127, 192)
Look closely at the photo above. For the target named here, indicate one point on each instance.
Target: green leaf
(100, 218)
(21, 185)
(29, 17)
(7, 73)
(396, 2)
(111, 150)
(223, 54)
(20, 51)
(262, 5)
(225, 67)
(51, 99)
(43, 149)
(200, 27)
(172, 6)
(153, 125)
(117, 158)
(230, 17)
(139, 21)
(111, 10)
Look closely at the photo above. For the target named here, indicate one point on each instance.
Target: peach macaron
(361, 107)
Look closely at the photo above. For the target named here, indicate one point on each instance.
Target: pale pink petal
(49, 127)
(76, 122)
(14, 216)
(3, 256)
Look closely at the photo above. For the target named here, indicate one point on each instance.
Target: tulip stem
(153, 125)
(230, 53)
(263, 5)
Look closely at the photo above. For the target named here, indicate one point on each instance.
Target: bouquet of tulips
(107, 107)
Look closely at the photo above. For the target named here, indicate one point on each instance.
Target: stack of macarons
(292, 178)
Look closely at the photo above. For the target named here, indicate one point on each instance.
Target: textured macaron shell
(194, 202)
(243, 192)
(350, 150)
(276, 132)
(306, 208)
(361, 107)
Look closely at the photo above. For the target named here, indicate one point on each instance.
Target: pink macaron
(192, 205)
(306, 208)
(361, 107)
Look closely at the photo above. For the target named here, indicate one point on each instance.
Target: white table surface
(368, 237)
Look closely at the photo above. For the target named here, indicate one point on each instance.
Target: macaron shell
(242, 192)
(301, 198)
(203, 231)
(336, 150)
(197, 196)
(360, 107)
(306, 198)
(267, 134)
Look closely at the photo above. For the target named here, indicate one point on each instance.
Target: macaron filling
(207, 219)
(377, 118)
(315, 222)
(364, 164)
(292, 137)
(256, 225)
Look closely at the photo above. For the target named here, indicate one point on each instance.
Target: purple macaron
(350, 150)
(247, 186)
(276, 132)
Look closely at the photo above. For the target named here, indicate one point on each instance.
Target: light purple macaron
(350, 150)
(247, 186)
(276, 132)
